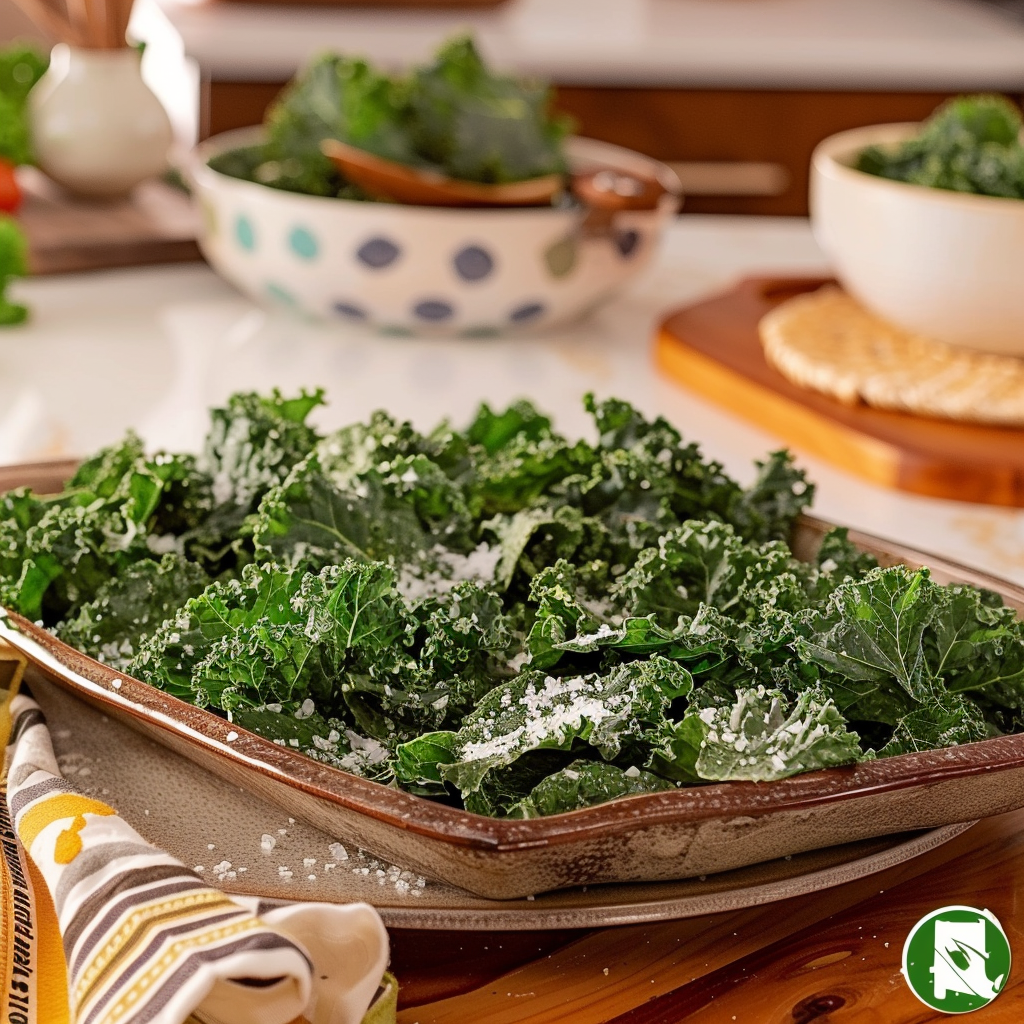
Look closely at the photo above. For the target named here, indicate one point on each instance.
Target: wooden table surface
(830, 957)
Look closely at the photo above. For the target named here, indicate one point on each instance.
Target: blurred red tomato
(10, 192)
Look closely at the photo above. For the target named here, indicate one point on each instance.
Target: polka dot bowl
(417, 269)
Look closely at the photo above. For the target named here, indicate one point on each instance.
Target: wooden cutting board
(156, 224)
(713, 348)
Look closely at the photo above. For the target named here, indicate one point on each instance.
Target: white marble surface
(153, 348)
(819, 44)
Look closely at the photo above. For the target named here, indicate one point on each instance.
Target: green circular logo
(957, 959)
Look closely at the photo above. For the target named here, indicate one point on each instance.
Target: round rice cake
(828, 342)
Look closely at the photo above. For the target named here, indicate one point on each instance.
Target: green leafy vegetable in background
(970, 144)
(20, 68)
(454, 116)
(13, 263)
(503, 618)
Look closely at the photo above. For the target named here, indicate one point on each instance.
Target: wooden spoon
(604, 190)
(387, 179)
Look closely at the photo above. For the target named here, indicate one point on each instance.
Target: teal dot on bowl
(245, 234)
(279, 294)
(303, 243)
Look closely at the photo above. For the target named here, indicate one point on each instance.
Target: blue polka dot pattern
(378, 253)
(473, 263)
(433, 310)
(279, 294)
(245, 234)
(527, 312)
(349, 311)
(626, 242)
(303, 243)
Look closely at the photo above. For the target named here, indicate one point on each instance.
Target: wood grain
(156, 224)
(713, 348)
(832, 956)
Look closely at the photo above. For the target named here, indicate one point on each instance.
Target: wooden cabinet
(737, 150)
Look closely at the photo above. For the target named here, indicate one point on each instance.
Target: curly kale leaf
(534, 713)
(975, 646)
(529, 465)
(328, 740)
(560, 615)
(873, 629)
(769, 508)
(940, 720)
(307, 519)
(584, 784)
(130, 606)
(696, 641)
(970, 144)
(454, 116)
(274, 636)
(492, 431)
(900, 650)
(418, 762)
(838, 559)
(760, 738)
(73, 543)
(455, 652)
(333, 98)
(479, 126)
(253, 443)
(707, 563)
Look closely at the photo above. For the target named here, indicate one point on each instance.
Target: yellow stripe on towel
(55, 808)
(52, 979)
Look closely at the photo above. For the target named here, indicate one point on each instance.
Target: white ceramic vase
(97, 128)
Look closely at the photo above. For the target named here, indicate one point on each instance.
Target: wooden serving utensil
(602, 190)
(387, 179)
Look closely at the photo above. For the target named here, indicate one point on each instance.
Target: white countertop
(152, 349)
(817, 44)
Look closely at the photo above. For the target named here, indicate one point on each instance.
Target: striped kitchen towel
(101, 927)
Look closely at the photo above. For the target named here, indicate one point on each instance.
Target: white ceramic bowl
(416, 269)
(945, 264)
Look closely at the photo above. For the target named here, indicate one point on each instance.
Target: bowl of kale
(282, 223)
(518, 660)
(925, 222)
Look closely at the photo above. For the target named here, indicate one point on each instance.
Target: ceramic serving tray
(259, 850)
(674, 835)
